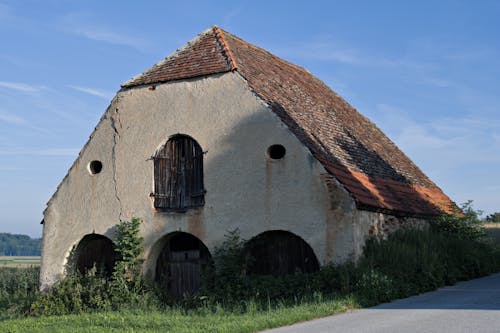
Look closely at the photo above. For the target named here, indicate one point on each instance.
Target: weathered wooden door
(185, 273)
(179, 174)
(180, 264)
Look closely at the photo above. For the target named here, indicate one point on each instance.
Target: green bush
(18, 289)
(75, 294)
(127, 285)
(375, 287)
(92, 291)
(408, 262)
(464, 223)
(423, 260)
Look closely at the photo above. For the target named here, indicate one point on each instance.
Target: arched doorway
(279, 253)
(178, 175)
(95, 250)
(180, 264)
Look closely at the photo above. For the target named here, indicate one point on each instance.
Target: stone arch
(180, 264)
(95, 250)
(279, 252)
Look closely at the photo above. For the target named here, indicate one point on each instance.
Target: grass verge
(178, 320)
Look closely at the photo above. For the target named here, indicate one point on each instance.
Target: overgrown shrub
(75, 294)
(374, 287)
(94, 292)
(223, 279)
(409, 262)
(423, 260)
(464, 223)
(18, 289)
(127, 285)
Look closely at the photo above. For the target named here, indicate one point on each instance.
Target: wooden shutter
(179, 174)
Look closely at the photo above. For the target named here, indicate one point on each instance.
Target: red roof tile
(368, 164)
(202, 56)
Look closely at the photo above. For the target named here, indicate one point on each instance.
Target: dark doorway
(279, 253)
(95, 250)
(180, 264)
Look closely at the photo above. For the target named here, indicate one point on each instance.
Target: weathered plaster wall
(367, 223)
(83, 203)
(245, 189)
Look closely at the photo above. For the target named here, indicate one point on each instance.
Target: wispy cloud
(18, 86)
(57, 152)
(455, 152)
(94, 92)
(103, 34)
(11, 118)
(322, 49)
(42, 152)
(85, 26)
(443, 145)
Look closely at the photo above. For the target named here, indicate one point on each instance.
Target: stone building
(223, 135)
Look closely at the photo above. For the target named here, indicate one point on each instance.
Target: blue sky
(426, 72)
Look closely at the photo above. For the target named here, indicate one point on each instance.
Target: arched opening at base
(279, 253)
(180, 264)
(95, 251)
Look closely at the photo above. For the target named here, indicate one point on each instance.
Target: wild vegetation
(409, 262)
(18, 289)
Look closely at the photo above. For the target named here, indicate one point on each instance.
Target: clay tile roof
(354, 150)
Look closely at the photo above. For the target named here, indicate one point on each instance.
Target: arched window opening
(95, 251)
(178, 175)
(180, 264)
(279, 253)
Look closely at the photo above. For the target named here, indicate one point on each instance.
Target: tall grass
(180, 320)
(416, 261)
(18, 289)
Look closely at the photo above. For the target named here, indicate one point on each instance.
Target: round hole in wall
(95, 167)
(276, 152)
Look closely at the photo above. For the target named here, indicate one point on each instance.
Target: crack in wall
(116, 137)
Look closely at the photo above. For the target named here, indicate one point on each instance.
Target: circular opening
(276, 152)
(95, 167)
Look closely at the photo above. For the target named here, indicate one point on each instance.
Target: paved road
(472, 306)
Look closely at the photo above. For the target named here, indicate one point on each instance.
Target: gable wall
(81, 203)
(245, 189)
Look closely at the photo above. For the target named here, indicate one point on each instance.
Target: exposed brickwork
(385, 225)
(351, 147)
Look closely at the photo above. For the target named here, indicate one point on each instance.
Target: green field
(16, 261)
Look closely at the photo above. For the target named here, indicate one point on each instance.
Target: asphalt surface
(471, 306)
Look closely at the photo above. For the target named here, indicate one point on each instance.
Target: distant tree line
(19, 245)
(495, 217)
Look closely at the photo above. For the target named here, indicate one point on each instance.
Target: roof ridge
(204, 62)
(219, 35)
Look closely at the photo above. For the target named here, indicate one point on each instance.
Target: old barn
(223, 135)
